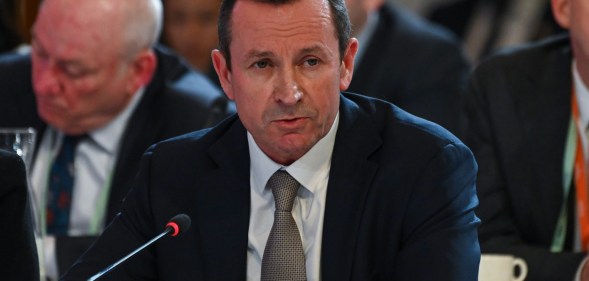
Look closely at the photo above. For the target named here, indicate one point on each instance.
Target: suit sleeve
(440, 229)
(18, 256)
(499, 230)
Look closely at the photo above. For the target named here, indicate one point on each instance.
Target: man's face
(286, 74)
(190, 28)
(78, 78)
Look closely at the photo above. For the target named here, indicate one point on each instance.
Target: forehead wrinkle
(310, 25)
(292, 28)
(312, 49)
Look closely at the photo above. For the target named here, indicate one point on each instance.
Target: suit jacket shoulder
(533, 60)
(417, 65)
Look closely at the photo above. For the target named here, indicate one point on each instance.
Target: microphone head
(179, 223)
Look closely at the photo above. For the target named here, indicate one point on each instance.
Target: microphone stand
(99, 274)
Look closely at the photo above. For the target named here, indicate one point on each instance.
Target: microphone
(178, 224)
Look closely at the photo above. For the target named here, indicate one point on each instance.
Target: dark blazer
(177, 100)
(399, 204)
(519, 108)
(416, 65)
(18, 252)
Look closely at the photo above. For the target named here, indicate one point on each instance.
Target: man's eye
(261, 64)
(312, 62)
(75, 73)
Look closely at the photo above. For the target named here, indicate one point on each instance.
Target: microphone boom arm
(99, 274)
(177, 224)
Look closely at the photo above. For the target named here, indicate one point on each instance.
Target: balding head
(131, 25)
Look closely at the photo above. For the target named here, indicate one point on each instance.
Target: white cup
(495, 267)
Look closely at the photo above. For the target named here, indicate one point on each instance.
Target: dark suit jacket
(399, 204)
(416, 65)
(177, 100)
(519, 110)
(18, 252)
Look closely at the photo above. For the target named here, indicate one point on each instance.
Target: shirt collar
(109, 136)
(304, 170)
(582, 95)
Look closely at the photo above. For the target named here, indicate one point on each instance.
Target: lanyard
(574, 164)
(567, 172)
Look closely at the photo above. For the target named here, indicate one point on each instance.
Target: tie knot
(72, 141)
(284, 188)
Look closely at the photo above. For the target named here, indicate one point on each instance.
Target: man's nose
(288, 91)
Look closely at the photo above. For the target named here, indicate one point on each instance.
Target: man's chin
(60, 124)
(296, 146)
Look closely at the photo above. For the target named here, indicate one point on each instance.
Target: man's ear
(222, 69)
(347, 65)
(141, 70)
(561, 9)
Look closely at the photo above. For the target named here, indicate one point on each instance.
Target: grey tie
(284, 258)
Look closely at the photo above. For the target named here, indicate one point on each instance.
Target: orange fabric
(581, 181)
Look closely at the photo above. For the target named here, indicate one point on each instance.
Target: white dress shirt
(312, 172)
(94, 161)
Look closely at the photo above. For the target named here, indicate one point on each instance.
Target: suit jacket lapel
(227, 207)
(349, 182)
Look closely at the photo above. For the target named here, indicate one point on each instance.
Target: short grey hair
(143, 20)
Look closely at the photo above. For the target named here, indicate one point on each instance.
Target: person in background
(528, 110)
(486, 26)
(19, 253)
(418, 66)
(190, 28)
(98, 100)
(304, 182)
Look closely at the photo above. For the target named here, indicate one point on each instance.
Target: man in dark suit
(408, 61)
(19, 253)
(380, 194)
(523, 134)
(77, 85)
